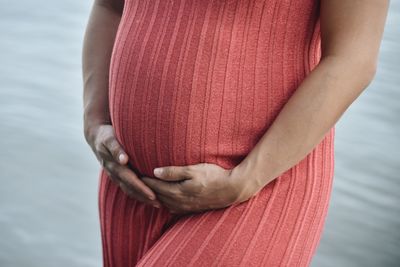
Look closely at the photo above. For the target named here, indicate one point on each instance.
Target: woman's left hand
(195, 188)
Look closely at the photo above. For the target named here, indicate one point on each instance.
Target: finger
(163, 187)
(116, 150)
(103, 154)
(128, 176)
(172, 173)
(112, 177)
(132, 193)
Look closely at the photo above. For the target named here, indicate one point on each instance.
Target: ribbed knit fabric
(201, 81)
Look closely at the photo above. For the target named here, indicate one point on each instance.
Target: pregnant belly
(191, 97)
(167, 117)
(170, 123)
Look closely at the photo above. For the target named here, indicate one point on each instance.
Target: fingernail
(156, 206)
(121, 157)
(158, 172)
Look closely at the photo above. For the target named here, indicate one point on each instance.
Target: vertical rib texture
(201, 81)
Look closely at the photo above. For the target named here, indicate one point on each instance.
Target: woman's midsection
(196, 94)
(176, 121)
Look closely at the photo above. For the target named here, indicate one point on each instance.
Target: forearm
(96, 53)
(302, 123)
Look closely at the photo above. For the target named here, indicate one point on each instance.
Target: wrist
(91, 123)
(95, 118)
(96, 112)
(245, 181)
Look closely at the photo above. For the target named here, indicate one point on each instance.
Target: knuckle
(108, 141)
(110, 166)
(98, 146)
(103, 154)
(188, 170)
(167, 171)
(201, 185)
(115, 153)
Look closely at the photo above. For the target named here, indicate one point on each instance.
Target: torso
(201, 81)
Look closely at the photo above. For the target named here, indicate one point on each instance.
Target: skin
(351, 33)
(99, 133)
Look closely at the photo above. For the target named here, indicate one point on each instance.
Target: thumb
(122, 157)
(172, 173)
(116, 151)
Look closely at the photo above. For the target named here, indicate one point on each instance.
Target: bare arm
(351, 33)
(98, 43)
(96, 54)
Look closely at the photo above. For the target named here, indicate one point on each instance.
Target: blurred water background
(48, 175)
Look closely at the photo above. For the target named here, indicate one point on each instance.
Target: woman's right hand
(109, 152)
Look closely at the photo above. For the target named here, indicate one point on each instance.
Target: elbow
(367, 72)
(361, 70)
(357, 67)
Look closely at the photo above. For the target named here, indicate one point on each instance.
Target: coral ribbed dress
(201, 81)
